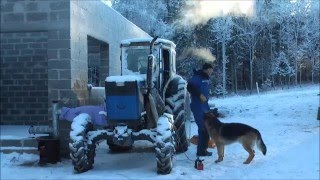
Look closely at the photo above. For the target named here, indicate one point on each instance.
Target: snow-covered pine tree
(282, 68)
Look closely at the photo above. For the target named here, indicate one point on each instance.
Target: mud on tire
(176, 104)
(82, 152)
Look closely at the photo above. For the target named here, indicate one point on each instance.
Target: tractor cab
(134, 59)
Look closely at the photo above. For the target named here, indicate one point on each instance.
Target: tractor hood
(121, 80)
(124, 99)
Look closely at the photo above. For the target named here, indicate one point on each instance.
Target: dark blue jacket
(199, 84)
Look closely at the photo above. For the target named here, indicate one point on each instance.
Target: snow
(151, 133)
(100, 88)
(76, 128)
(93, 134)
(147, 39)
(103, 113)
(285, 118)
(18, 148)
(164, 126)
(22, 132)
(125, 78)
(122, 131)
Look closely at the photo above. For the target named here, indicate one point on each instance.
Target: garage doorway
(98, 61)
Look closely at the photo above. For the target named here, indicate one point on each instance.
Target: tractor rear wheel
(82, 152)
(176, 104)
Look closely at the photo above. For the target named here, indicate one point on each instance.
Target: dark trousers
(203, 138)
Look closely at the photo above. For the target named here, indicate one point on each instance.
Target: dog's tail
(261, 146)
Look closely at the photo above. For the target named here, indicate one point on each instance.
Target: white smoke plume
(200, 11)
(200, 53)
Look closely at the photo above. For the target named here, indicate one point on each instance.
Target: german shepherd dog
(227, 133)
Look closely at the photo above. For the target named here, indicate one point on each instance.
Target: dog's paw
(246, 162)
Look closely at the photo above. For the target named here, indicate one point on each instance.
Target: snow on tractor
(147, 102)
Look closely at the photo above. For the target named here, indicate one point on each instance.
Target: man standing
(198, 86)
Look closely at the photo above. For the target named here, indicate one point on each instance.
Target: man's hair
(206, 66)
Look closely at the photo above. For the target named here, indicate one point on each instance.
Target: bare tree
(312, 40)
(222, 27)
(250, 30)
(295, 33)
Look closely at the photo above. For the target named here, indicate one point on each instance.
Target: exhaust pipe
(150, 66)
(52, 130)
(55, 119)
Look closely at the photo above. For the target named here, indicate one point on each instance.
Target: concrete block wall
(30, 15)
(35, 37)
(24, 78)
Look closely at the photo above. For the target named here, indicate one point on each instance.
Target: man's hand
(203, 98)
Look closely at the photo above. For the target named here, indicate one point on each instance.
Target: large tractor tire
(164, 144)
(82, 150)
(176, 104)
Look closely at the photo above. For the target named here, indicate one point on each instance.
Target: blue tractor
(149, 101)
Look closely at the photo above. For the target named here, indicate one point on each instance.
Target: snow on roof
(147, 39)
(125, 78)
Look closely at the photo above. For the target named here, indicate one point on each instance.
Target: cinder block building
(51, 50)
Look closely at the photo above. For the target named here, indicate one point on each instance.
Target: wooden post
(318, 117)
(257, 88)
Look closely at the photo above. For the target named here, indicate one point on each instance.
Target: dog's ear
(208, 115)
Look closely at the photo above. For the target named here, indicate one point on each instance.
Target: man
(198, 86)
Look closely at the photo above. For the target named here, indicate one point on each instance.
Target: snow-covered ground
(285, 118)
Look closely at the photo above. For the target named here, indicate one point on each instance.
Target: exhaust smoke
(200, 11)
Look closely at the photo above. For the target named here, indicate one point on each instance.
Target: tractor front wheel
(82, 152)
(164, 144)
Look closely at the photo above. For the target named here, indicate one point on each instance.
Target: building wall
(29, 32)
(55, 31)
(24, 78)
(30, 15)
(44, 56)
(104, 24)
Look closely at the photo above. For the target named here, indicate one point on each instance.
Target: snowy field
(285, 118)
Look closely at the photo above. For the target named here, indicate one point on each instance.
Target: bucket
(49, 149)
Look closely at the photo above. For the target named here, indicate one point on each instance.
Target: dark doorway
(98, 61)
